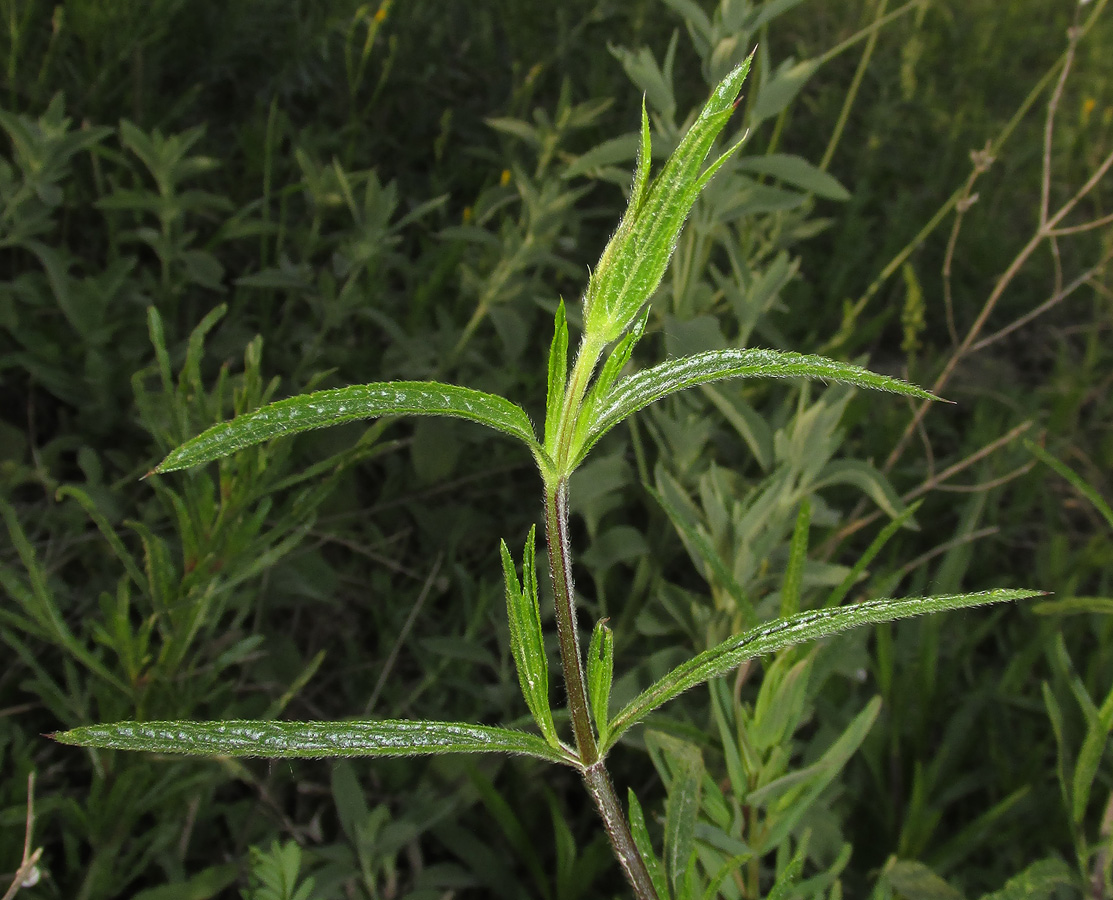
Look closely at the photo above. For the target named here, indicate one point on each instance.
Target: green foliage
(186, 184)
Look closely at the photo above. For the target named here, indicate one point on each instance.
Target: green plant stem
(852, 93)
(610, 810)
(560, 568)
(594, 771)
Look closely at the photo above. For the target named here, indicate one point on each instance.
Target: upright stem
(602, 792)
(592, 767)
(560, 567)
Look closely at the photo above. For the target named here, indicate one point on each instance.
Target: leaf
(868, 480)
(600, 671)
(349, 404)
(207, 883)
(812, 780)
(681, 810)
(1083, 487)
(635, 259)
(717, 570)
(645, 845)
(616, 150)
(796, 171)
(1040, 881)
(558, 374)
(643, 388)
(915, 881)
(806, 626)
(797, 556)
(778, 91)
(314, 740)
(526, 640)
(787, 879)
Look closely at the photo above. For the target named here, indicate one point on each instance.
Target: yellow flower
(467, 215)
(504, 178)
(1087, 109)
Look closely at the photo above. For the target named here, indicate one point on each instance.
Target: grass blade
(349, 404)
(646, 387)
(387, 737)
(806, 626)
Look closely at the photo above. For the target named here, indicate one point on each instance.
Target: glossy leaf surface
(643, 388)
(635, 259)
(387, 737)
(349, 404)
(806, 626)
(526, 639)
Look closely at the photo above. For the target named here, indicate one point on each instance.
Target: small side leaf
(645, 845)
(600, 671)
(806, 626)
(797, 557)
(387, 737)
(349, 404)
(526, 639)
(643, 388)
(599, 389)
(558, 373)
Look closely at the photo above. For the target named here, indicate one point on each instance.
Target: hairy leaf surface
(349, 404)
(643, 388)
(386, 737)
(806, 626)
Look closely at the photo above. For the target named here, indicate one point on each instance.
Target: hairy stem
(560, 568)
(602, 792)
(594, 772)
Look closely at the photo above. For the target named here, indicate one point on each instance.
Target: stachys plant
(584, 401)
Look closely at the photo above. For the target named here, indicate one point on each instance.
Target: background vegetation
(208, 205)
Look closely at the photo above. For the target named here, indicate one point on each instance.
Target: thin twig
(958, 541)
(27, 875)
(860, 522)
(1085, 226)
(982, 160)
(1073, 36)
(1045, 306)
(983, 486)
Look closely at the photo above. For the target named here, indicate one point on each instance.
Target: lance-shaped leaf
(600, 671)
(348, 404)
(387, 737)
(643, 388)
(645, 846)
(558, 373)
(635, 260)
(806, 626)
(527, 642)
